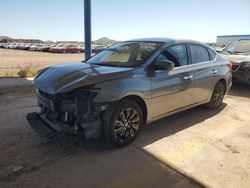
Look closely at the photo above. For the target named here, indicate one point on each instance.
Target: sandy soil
(13, 60)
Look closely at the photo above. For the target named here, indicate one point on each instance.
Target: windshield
(125, 54)
(239, 47)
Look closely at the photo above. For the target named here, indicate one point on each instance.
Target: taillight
(230, 65)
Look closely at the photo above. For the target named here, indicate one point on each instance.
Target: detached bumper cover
(41, 127)
(49, 133)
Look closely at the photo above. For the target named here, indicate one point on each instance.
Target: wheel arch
(141, 103)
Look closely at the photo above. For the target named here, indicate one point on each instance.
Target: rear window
(199, 54)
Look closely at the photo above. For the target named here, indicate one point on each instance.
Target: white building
(225, 40)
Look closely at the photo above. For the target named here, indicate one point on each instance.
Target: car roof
(165, 40)
(152, 40)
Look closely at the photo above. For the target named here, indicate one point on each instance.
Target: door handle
(188, 77)
(214, 71)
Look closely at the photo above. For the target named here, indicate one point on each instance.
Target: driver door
(171, 90)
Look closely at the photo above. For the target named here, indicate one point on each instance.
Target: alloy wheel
(126, 125)
(218, 94)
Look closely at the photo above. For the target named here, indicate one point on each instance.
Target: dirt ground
(210, 147)
(27, 160)
(13, 60)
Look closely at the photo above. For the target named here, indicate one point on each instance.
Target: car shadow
(162, 128)
(175, 123)
(156, 131)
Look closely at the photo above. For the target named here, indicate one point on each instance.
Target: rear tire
(217, 96)
(124, 124)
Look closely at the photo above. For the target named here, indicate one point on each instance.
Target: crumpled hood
(66, 77)
(237, 58)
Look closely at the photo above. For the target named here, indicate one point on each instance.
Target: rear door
(171, 90)
(203, 72)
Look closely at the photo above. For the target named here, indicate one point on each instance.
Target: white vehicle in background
(33, 47)
(12, 46)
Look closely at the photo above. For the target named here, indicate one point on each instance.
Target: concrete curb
(15, 82)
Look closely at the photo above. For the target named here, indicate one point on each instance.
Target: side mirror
(164, 65)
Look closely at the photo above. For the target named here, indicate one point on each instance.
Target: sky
(57, 20)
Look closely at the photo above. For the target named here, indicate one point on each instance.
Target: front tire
(217, 96)
(124, 123)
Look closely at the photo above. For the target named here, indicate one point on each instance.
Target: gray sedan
(127, 85)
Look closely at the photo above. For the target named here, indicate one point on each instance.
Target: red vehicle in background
(62, 48)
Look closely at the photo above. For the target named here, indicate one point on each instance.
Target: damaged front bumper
(71, 114)
(52, 131)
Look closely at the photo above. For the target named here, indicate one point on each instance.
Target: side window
(175, 53)
(212, 54)
(199, 54)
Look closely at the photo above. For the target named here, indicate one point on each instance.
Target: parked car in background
(57, 49)
(45, 47)
(65, 48)
(239, 54)
(98, 49)
(20, 46)
(73, 48)
(128, 85)
(33, 47)
(12, 46)
(25, 46)
(5, 45)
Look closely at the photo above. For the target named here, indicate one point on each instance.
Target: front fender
(115, 90)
